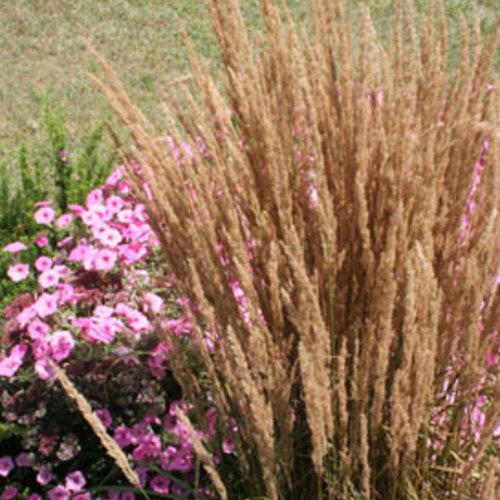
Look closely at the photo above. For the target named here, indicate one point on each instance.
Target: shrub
(320, 237)
(98, 303)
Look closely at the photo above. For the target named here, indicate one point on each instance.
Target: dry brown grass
(366, 294)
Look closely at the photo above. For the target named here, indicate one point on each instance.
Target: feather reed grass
(336, 182)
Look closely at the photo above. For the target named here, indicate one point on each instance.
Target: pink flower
(37, 329)
(103, 311)
(44, 215)
(25, 316)
(75, 481)
(61, 344)
(46, 305)
(6, 465)
(18, 272)
(43, 263)
(34, 496)
(104, 416)
(15, 247)
(44, 476)
(160, 484)
(42, 241)
(64, 221)
(105, 259)
(44, 370)
(10, 364)
(41, 204)
(9, 493)
(49, 278)
(59, 493)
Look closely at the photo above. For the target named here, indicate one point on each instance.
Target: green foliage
(51, 172)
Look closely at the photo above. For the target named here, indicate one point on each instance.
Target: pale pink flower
(105, 259)
(44, 371)
(14, 247)
(110, 237)
(18, 272)
(46, 305)
(49, 278)
(64, 221)
(10, 364)
(75, 481)
(152, 302)
(114, 204)
(61, 344)
(37, 329)
(42, 241)
(126, 216)
(44, 215)
(25, 316)
(103, 311)
(94, 197)
(43, 263)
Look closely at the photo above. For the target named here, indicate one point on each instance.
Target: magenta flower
(64, 221)
(44, 215)
(59, 493)
(82, 496)
(160, 484)
(104, 416)
(6, 465)
(44, 476)
(10, 364)
(61, 344)
(24, 460)
(75, 481)
(34, 496)
(14, 247)
(127, 495)
(18, 272)
(9, 493)
(114, 178)
(42, 241)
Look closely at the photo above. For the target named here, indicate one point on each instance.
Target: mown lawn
(41, 52)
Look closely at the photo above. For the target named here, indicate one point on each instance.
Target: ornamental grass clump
(339, 247)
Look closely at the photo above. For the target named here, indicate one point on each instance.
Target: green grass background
(41, 53)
